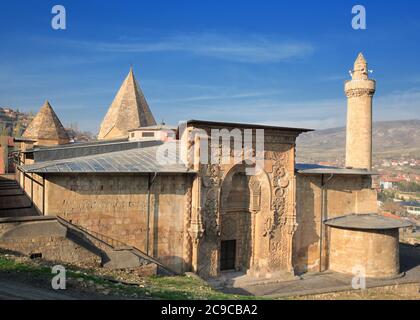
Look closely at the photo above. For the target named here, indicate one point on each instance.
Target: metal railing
(106, 240)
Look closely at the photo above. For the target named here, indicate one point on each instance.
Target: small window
(148, 134)
(132, 135)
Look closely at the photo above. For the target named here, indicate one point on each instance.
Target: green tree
(408, 186)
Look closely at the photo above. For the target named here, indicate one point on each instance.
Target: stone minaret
(359, 92)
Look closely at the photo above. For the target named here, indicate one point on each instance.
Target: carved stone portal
(248, 220)
(253, 212)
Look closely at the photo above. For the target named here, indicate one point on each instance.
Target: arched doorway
(244, 215)
(235, 221)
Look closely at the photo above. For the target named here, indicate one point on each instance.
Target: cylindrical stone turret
(359, 92)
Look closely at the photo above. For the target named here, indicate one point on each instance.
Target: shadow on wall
(52, 241)
(306, 236)
(409, 257)
(306, 253)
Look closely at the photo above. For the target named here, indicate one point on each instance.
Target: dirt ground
(360, 295)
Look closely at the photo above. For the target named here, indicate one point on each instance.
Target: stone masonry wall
(34, 190)
(57, 249)
(374, 251)
(116, 206)
(344, 195)
(47, 238)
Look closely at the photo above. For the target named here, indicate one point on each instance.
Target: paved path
(331, 282)
(13, 290)
(19, 287)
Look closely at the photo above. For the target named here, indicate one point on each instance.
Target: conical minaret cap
(360, 71)
(360, 59)
(129, 110)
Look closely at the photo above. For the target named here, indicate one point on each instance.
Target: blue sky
(272, 62)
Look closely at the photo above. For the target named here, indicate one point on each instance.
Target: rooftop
(410, 203)
(304, 168)
(244, 125)
(156, 127)
(86, 149)
(369, 221)
(138, 160)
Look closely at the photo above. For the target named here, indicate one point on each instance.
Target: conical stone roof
(129, 110)
(360, 59)
(46, 128)
(360, 71)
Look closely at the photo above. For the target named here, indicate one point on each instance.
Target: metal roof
(86, 149)
(139, 160)
(371, 221)
(78, 144)
(304, 168)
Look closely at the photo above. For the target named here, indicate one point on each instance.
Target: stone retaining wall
(46, 239)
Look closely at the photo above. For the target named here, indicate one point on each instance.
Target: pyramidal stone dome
(46, 128)
(360, 59)
(129, 110)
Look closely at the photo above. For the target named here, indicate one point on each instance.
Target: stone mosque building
(210, 218)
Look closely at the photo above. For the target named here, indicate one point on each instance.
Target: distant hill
(13, 122)
(391, 139)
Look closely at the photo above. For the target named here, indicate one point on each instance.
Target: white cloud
(250, 49)
(224, 96)
(315, 114)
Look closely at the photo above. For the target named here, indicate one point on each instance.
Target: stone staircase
(13, 201)
(23, 230)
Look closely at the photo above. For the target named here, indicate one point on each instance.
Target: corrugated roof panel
(74, 166)
(135, 160)
(84, 167)
(96, 165)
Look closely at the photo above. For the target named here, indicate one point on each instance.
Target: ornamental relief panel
(211, 180)
(280, 183)
(360, 92)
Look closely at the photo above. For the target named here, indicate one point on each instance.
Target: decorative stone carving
(212, 183)
(187, 227)
(196, 230)
(360, 92)
(255, 187)
(267, 227)
(280, 182)
(214, 174)
(211, 225)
